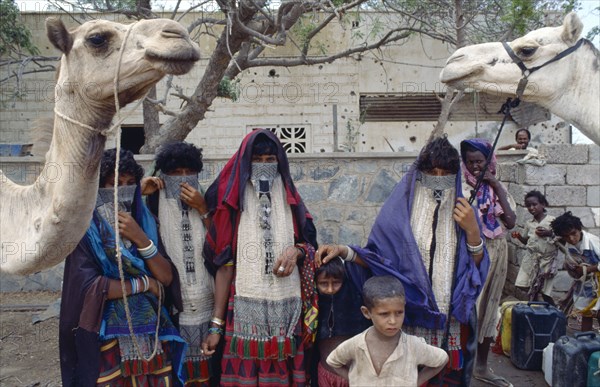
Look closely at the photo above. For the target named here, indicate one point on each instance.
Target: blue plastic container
(534, 326)
(570, 359)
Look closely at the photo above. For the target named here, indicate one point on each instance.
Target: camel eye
(527, 51)
(97, 40)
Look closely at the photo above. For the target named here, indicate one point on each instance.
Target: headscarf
(225, 201)
(392, 250)
(487, 204)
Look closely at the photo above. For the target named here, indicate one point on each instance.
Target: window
(427, 107)
(293, 137)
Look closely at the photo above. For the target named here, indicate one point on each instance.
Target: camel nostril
(170, 33)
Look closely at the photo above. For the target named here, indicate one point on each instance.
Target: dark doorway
(132, 138)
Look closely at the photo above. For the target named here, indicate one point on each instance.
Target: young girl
(340, 317)
(538, 268)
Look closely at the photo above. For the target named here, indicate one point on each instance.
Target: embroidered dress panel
(441, 239)
(445, 238)
(197, 294)
(265, 305)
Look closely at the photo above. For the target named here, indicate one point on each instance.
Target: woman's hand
(491, 180)
(151, 184)
(326, 253)
(209, 345)
(193, 198)
(465, 217)
(286, 262)
(128, 228)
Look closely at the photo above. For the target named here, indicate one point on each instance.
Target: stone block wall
(570, 180)
(344, 192)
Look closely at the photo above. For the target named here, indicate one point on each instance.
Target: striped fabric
(238, 372)
(111, 370)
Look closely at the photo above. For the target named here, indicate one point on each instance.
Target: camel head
(92, 52)
(487, 67)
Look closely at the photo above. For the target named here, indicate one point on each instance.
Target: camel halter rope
(117, 126)
(504, 109)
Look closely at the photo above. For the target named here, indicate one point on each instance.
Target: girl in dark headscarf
(494, 206)
(263, 236)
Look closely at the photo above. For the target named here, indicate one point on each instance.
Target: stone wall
(344, 192)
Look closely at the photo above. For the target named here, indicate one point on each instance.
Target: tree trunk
(151, 117)
(177, 128)
(450, 99)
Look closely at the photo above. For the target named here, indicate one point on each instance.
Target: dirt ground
(28, 352)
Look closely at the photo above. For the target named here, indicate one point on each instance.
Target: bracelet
(134, 287)
(217, 321)
(351, 256)
(302, 253)
(215, 331)
(146, 282)
(205, 215)
(148, 252)
(146, 249)
(474, 250)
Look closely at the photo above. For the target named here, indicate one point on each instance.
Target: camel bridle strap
(526, 72)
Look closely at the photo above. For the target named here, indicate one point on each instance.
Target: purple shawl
(392, 250)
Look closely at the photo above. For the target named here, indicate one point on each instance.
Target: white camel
(567, 87)
(42, 223)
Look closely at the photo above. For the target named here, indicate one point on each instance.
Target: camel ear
(58, 35)
(572, 27)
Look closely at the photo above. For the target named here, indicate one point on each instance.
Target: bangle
(205, 215)
(351, 256)
(475, 250)
(134, 289)
(217, 321)
(302, 253)
(148, 252)
(215, 331)
(146, 283)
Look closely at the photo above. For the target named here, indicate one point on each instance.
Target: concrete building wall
(323, 99)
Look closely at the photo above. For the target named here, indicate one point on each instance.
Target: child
(339, 315)
(383, 355)
(522, 138)
(538, 268)
(587, 248)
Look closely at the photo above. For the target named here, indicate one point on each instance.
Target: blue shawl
(392, 250)
(100, 239)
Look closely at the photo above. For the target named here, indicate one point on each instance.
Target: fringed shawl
(392, 250)
(225, 201)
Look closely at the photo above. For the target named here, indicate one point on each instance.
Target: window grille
(294, 138)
